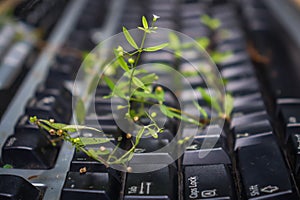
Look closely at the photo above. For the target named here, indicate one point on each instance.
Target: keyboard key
(14, 187)
(263, 171)
(234, 60)
(206, 150)
(255, 106)
(247, 130)
(81, 160)
(249, 118)
(29, 150)
(48, 108)
(90, 186)
(208, 182)
(238, 72)
(243, 87)
(288, 110)
(159, 184)
(13, 62)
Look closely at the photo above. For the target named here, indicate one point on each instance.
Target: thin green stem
(113, 152)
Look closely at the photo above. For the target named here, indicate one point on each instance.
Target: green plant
(137, 89)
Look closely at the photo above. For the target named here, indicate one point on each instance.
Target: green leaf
(219, 57)
(94, 83)
(96, 153)
(53, 125)
(185, 118)
(80, 111)
(201, 110)
(129, 38)
(74, 128)
(120, 61)
(203, 42)
(210, 22)
(145, 23)
(164, 109)
(156, 48)
(141, 28)
(174, 41)
(93, 141)
(149, 78)
(147, 95)
(228, 104)
(123, 64)
(136, 81)
(7, 166)
(109, 83)
(136, 72)
(210, 100)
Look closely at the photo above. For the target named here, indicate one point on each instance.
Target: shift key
(263, 172)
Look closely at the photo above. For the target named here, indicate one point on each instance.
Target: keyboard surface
(254, 155)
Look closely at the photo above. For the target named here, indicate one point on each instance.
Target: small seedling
(139, 89)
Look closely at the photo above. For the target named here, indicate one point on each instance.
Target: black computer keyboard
(255, 155)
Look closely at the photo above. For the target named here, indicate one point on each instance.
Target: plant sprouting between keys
(139, 89)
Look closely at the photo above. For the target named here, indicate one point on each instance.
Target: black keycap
(238, 72)
(235, 59)
(48, 108)
(62, 93)
(90, 186)
(81, 160)
(263, 171)
(288, 110)
(206, 150)
(252, 129)
(160, 184)
(247, 139)
(208, 182)
(247, 99)
(64, 69)
(154, 150)
(30, 150)
(82, 39)
(293, 144)
(248, 108)
(151, 144)
(14, 187)
(106, 123)
(243, 86)
(234, 47)
(249, 118)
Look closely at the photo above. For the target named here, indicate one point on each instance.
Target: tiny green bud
(120, 49)
(154, 114)
(33, 119)
(131, 61)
